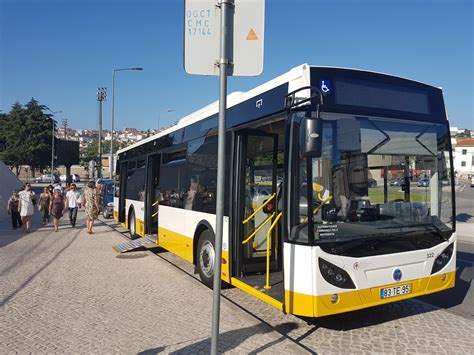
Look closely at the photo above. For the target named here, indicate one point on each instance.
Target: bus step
(134, 244)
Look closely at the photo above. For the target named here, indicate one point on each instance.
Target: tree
(40, 129)
(91, 151)
(25, 136)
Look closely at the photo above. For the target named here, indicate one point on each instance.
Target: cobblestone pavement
(68, 292)
(403, 327)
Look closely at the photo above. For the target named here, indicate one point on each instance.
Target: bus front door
(152, 197)
(123, 188)
(256, 186)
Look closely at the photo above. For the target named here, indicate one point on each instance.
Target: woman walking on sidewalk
(26, 208)
(56, 208)
(91, 205)
(43, 205)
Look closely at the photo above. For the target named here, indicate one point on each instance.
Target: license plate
(395, 291)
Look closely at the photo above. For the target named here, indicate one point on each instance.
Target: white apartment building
(464, 156)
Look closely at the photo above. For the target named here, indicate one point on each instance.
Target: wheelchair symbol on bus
(325, 86)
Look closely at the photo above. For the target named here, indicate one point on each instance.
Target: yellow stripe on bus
(254, 292)
(319, 306)
(182, 246)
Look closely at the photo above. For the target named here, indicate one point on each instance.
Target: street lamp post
(113, 118)
(160, 112)
(101, 96)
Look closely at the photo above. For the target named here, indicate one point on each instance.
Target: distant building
(464, 156)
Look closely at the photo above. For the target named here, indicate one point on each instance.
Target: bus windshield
(375, 178)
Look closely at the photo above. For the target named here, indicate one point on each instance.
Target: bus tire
(205, 258)
(132, 225)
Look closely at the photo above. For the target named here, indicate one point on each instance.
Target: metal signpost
(233, 48)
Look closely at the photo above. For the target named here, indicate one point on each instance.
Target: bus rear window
(352, 92)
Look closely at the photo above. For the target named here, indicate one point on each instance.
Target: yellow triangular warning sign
(252, 36)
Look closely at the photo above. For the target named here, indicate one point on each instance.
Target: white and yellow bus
(316, 221)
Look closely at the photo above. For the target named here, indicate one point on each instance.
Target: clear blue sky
(60, 51)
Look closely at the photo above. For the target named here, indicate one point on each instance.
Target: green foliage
(465, 134)
(25, 136)
(91, 151)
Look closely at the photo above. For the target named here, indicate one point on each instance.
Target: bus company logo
(397, 274)
(259, 103)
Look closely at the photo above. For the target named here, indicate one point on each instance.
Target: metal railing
(156, 203)
(269, 233)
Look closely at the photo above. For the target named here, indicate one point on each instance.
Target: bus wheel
(132, 225)
(206, 255)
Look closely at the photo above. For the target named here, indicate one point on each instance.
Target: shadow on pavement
(367, 317)
(18, 289)
(230, 340)
(455, 296)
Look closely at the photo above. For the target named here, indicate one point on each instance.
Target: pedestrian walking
(43, 205)
(26, 207)
(56, 208)
(60, 188)
(91, 205)
(73, 202)
(12, 208)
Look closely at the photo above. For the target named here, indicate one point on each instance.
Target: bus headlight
(335, 275)
(442, 260)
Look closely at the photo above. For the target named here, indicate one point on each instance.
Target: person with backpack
(12, 208)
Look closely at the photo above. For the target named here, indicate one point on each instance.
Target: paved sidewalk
(69, 292)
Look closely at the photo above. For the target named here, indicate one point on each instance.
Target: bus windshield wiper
(438, 230)
(371, 240)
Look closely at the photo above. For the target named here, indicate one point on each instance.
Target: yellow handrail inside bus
(258, 209)
(267, 282)
(155, 203)
(258, 228)
(154, 214)
(316, 210)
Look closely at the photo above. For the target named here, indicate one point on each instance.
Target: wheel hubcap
(206, 258)
(132, 225)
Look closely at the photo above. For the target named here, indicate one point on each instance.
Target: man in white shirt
(73, 202)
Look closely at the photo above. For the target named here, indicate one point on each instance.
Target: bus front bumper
(325, 305)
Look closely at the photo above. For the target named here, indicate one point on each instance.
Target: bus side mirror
(313, 137)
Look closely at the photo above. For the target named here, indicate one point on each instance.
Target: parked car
(472, 181)
(47, 178)
(424, 182)
(74, 178)
(372, 182)
(108, 198)
(397, 182)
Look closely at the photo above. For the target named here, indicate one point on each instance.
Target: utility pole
(101, 96)
(64, 122)
(52, 141)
